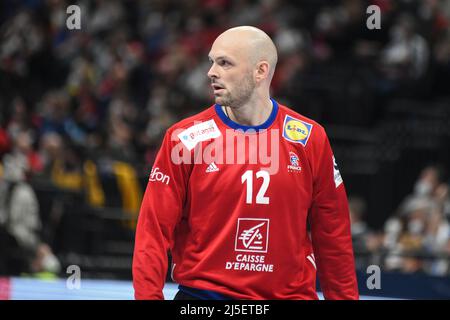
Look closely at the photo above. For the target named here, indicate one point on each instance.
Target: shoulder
(200, 117)
(308, 130)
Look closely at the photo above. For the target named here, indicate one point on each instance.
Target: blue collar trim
(236, 126)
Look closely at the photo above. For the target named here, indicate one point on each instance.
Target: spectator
(432, 185)
(360, 230)
(421, 228)
(405, 235)
(20, 219)
(406, 55)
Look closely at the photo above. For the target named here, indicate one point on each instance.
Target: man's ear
(262, 71)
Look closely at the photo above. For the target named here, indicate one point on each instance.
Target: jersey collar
(236, 126)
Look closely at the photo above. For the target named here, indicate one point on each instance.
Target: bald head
(243, 62)
(252, 42)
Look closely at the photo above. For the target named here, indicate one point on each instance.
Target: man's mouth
(217, 87)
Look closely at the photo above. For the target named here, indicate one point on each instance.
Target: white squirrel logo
(252, 238)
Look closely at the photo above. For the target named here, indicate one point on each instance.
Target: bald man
(243, 63)
(246, 195)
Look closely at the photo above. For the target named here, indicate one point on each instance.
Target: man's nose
(212, 73)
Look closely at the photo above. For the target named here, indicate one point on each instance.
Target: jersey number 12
(260, 197)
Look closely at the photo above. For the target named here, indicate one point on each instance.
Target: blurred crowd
(76, 105)
(417, 236)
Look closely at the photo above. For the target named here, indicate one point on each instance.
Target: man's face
(231, 73)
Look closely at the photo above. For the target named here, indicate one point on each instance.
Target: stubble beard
(240, 96)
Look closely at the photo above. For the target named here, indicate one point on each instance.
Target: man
(20, 225)
(235, 216)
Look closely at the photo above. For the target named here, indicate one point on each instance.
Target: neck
(253, 113)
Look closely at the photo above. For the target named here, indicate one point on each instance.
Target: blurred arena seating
(87, 109)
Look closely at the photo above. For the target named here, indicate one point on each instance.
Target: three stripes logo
(212, 167)
(312, 259)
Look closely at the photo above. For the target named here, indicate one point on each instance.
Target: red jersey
(233, 203)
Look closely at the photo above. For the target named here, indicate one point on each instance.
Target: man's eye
(224, 63)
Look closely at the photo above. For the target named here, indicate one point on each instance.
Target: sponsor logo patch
(337, 175)
(297, 131)
(252, 235)
(156, 175)
(199, 132)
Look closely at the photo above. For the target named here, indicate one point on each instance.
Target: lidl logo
(297, 131)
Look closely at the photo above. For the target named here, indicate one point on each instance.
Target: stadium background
(82, 113)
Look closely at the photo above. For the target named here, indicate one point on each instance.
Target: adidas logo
(212, 168)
